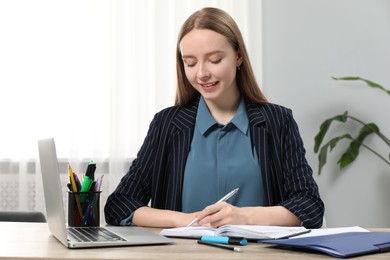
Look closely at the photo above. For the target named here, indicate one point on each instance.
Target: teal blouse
(221, 159)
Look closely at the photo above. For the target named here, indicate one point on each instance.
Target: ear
(239, 60)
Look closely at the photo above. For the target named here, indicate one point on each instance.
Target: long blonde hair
(221, 22)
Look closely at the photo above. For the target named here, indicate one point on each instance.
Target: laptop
(82, 237)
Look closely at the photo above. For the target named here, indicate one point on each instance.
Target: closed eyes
(192, 64)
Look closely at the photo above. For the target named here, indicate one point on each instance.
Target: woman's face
(210, 64)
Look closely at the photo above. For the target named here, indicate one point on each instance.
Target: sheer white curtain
(91, 74)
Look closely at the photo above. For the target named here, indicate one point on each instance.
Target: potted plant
(352, 151)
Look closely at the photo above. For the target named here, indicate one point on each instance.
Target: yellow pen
(74, 186)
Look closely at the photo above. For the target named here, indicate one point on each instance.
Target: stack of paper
(338, 242)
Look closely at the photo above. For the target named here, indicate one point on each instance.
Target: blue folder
(342, 245)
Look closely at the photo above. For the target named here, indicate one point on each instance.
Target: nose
(203, 72)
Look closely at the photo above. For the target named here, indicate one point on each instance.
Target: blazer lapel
(258, 126)
(180, 142)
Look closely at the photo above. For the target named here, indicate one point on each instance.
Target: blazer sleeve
(134, 189)
(301, 191)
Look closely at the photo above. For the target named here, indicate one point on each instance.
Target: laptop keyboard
(92, 234)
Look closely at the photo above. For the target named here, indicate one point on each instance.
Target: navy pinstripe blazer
(157, 172)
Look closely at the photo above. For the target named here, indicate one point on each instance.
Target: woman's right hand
(151, 217)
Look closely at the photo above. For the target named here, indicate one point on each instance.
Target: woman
(221, 134)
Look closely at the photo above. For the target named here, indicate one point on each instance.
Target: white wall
(305, 43)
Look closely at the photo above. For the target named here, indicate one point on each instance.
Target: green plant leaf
(353, 150)
(325, 127)
(322, 156)
(368, 82)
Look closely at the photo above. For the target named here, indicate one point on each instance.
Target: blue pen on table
(225, 198)
(224, 240)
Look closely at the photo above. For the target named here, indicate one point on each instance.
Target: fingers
(215, 215)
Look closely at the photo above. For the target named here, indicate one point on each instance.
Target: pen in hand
(225, 198)
(228, 196)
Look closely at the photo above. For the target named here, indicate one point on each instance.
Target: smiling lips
(209, 86)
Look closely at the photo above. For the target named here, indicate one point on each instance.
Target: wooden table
(33, 240)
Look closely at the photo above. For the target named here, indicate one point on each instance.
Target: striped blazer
(157, 172)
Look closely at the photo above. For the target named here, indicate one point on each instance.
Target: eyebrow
(207, 54)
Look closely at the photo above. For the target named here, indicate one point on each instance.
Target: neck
(223, 112)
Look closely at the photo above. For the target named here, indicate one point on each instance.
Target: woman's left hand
(220, 214)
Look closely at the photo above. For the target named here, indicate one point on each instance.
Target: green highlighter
(89, 178)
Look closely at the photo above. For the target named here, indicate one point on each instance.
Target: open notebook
(84, 236)
(250, 232)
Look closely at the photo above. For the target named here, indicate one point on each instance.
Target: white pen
(224, 198)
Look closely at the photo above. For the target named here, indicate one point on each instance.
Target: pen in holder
(85, 213)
